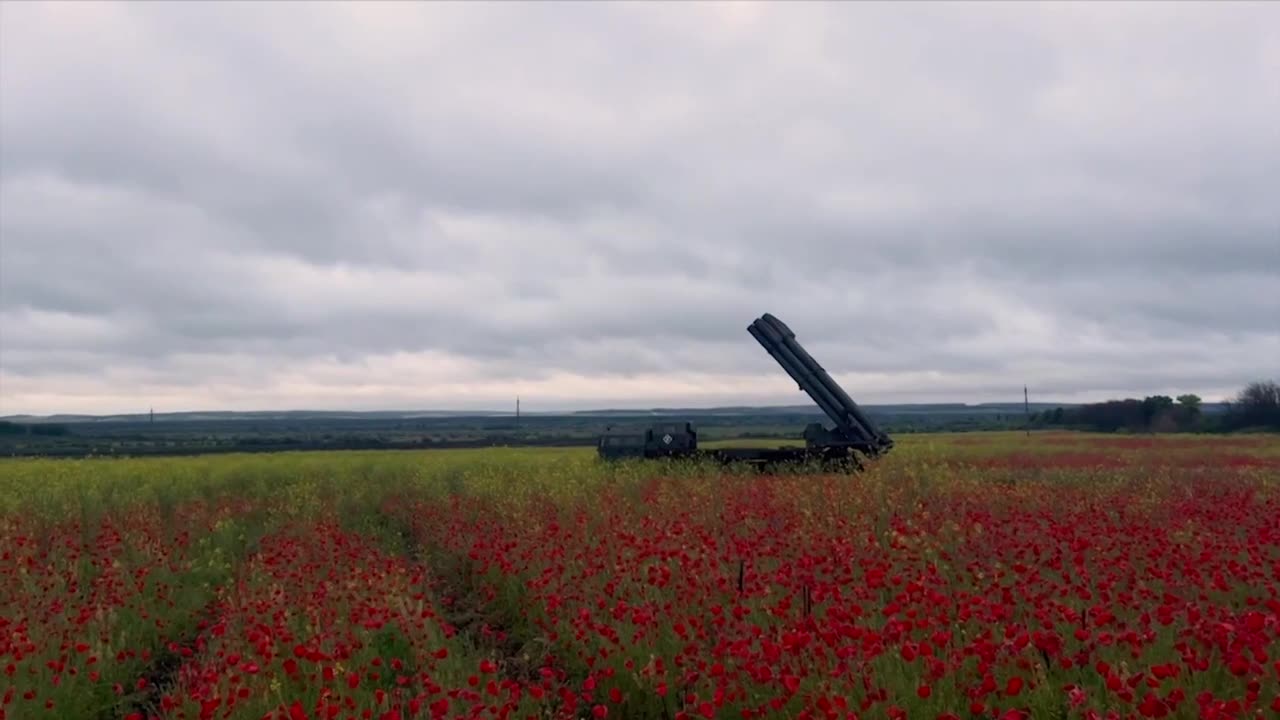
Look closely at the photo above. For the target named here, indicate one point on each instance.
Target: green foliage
(1256, 406)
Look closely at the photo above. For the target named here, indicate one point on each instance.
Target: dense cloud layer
(245, 206)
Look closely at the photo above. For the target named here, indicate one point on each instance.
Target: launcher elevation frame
(852, 426)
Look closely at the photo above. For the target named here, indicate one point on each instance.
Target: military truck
(852, 434)
(661, 440)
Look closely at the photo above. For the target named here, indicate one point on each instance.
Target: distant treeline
(1256, 407)
(266, 445)
(45, 429)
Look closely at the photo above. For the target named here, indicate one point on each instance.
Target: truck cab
(615, 444)
(660, 440)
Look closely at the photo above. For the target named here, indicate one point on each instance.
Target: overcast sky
(250, 206)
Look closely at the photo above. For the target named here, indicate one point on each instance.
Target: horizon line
(553, 411)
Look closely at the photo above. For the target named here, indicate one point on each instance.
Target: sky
(443, 206)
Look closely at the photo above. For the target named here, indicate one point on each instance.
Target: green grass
(188, 527)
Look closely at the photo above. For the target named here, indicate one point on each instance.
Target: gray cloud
(438, 206)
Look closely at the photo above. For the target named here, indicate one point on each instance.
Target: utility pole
(1026, 406)
(517, 412)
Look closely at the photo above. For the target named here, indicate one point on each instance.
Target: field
(975, 575)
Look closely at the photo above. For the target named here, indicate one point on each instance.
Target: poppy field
(983, 575)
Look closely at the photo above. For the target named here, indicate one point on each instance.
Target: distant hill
(294, 415)
(895, 409)
(262, 415)
(196, 432)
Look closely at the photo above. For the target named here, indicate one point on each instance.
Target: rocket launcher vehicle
(853, 432)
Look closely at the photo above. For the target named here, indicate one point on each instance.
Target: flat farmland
(963, 576)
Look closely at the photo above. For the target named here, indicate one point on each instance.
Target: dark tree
(1257, 405)
(1154, 407)
(1190, 401)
